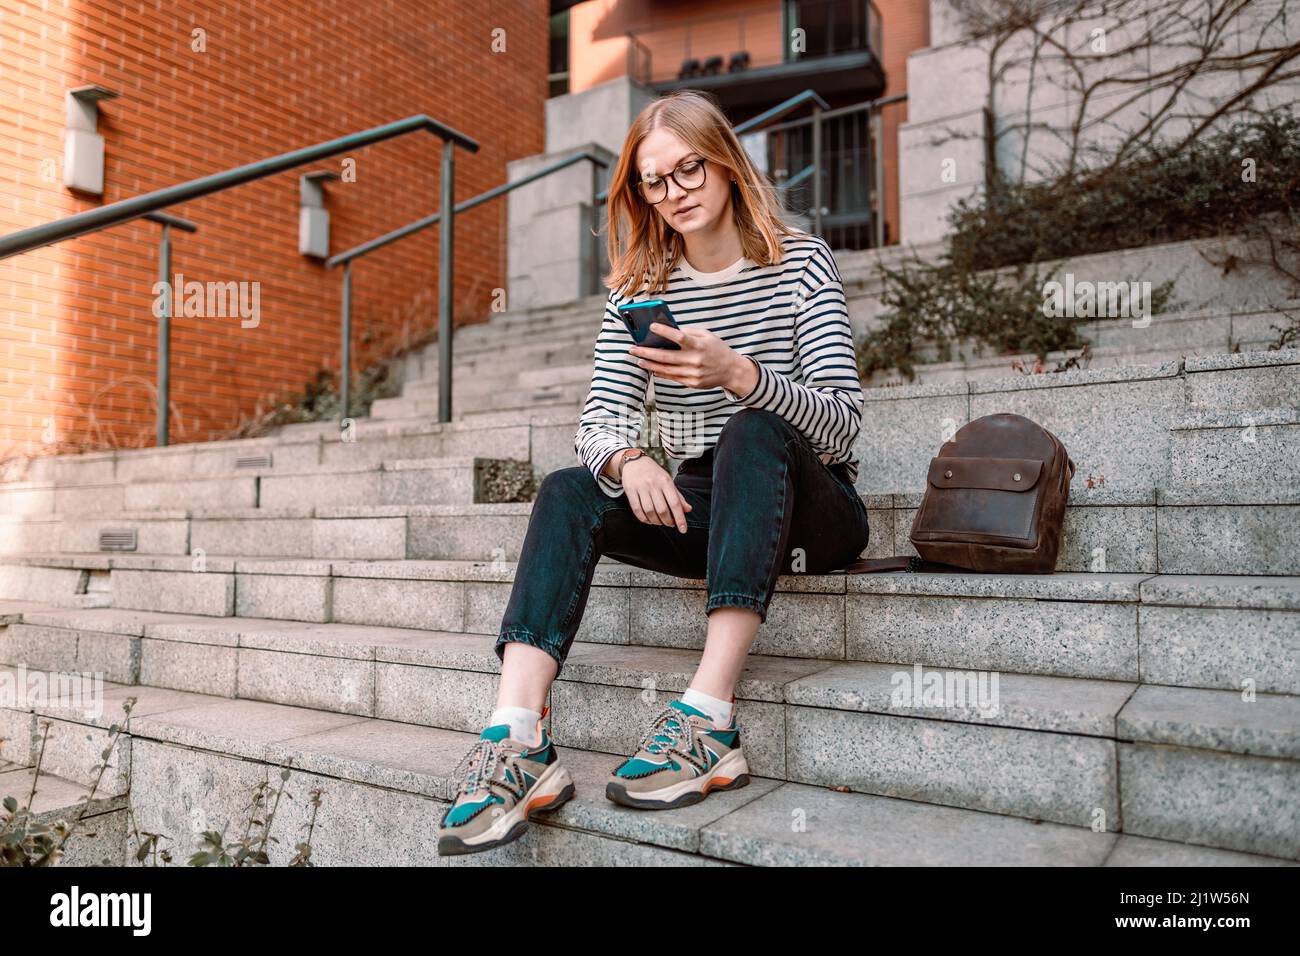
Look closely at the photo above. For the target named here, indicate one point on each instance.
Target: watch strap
(630, 456)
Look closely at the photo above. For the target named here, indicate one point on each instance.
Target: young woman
(761, 404)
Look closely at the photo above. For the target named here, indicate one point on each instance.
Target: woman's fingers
(638, 506)
(656, 499)
(663, 511)
(679, 506)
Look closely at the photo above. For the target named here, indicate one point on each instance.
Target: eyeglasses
(688, 175)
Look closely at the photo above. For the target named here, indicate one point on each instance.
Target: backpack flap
(980, 500)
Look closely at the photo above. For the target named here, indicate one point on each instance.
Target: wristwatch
(630, 456)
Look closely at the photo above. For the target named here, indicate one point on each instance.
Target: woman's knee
(570, 482)
(750, 424)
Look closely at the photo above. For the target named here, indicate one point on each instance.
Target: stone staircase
(331, 606)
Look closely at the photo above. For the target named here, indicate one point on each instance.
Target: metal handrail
(768, 117)
(125, 210)
(168, 223)
(873, 110)
(345, 259)
(798, 177)
(175, 222)
(839, 111)
(148, 206)
(410, 229)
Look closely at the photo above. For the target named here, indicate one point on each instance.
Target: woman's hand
(653, 495)
(704, 360)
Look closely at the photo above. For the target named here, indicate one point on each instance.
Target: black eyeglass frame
(636, 183)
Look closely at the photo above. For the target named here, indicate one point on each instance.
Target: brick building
(206, 87)
(77, 334)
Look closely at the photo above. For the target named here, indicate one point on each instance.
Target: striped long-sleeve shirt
(789, 318)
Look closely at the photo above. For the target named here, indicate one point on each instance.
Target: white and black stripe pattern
(790, 319)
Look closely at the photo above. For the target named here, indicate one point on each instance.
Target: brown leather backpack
(994, 501)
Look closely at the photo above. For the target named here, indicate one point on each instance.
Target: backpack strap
(909, 563)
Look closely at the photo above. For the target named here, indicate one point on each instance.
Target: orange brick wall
(77, 334)
(598, 49)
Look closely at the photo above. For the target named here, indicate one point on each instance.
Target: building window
(559, 71)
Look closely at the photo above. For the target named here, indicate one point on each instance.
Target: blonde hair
(652, 248)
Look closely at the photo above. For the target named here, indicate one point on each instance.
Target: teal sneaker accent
(680, 758)
(461, 812)
(498, 784)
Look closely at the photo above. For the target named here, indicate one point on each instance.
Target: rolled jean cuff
(522, 635)
(735, 599)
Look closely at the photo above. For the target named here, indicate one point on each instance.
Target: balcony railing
(722, 44)
(830, 168)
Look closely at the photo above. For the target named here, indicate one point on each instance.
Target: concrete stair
(376, 716)
(1222, 528)
(100, 839)
(329, 602)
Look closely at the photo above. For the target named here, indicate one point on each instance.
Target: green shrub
(1195, 193)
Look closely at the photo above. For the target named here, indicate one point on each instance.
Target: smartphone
(639, 315)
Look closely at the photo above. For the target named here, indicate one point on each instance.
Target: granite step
(494, 377)
(1235, 446)
(1165, 629)
(1130, 445)
(1188, 529)
(195, 760)
(98, 840)
(1142, 350)
(1147, 409)
(502, 398)
(1269, 377)
(1249, 379)
(479, 373)
(338, 481)
(497, 375)
(300, 449)
(1048, 751)
(1116, 423)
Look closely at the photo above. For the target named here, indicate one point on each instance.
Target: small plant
(1066, 364)
(319, 400)
(1152, 197)
(23, 841)
(1288, 336)
(251, 847)
(943, 306)
(501, 480)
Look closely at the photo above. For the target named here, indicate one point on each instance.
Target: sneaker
(500, 782)
(680, 759)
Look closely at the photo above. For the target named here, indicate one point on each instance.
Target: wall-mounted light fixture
(83, 147)
(313, 217)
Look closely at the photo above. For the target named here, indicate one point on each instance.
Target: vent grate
(253, 461)
(123, 539)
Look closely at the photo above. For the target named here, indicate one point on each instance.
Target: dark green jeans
(763, 504)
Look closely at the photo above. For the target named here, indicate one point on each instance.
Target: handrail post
(345, 366)
(878, 129)
(593, 284)
(165, 334)
(817, 169)
(445, 285)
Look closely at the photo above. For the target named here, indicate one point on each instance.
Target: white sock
(719, 711)
(523, 722)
